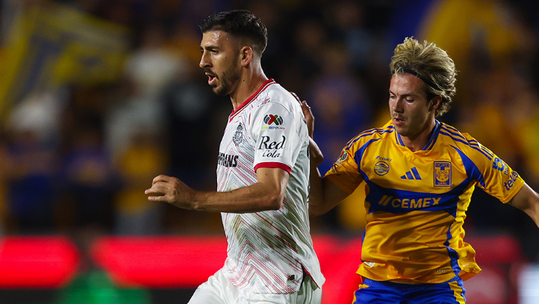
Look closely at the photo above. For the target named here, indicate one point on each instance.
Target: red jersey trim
(245, 103)
(273, 165)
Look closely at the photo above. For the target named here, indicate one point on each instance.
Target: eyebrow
(406, 95)
(209, 48)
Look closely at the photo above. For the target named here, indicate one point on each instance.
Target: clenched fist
(171, 190)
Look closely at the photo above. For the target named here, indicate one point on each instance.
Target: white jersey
(268, 250)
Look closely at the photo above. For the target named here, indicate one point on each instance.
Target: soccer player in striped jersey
(419, 175)
(262, 175)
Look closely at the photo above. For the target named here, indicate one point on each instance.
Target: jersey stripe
(466, 143)
(369, 132)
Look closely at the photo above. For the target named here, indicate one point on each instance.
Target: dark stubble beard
(228, 79)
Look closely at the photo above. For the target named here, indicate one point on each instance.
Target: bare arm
(527, 200)
(323, 195)
(266, 194)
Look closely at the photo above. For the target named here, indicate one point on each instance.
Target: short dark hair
(239, 23)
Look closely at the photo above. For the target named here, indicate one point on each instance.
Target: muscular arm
(527, 200)
(266, 194)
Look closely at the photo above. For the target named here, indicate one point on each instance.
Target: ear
(434, 103)
(246, 55)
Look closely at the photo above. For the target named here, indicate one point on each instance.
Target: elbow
(274, 202)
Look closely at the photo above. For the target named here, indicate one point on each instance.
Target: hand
(171, 190)
(309, 117)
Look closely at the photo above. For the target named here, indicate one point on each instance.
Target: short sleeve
(279, 132)
(345, 172)
(493, 175)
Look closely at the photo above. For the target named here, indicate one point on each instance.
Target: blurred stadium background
(99, 96)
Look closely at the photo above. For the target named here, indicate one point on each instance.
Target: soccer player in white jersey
(419, 175)
(262, 175)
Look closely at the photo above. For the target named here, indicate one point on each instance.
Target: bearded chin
(221, 90)
(228, 79)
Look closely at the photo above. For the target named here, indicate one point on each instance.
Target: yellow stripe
(389, 197)
(457, 290)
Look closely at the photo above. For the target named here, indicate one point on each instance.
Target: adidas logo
(412, 175)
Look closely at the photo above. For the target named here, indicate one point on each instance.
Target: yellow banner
(52, 46)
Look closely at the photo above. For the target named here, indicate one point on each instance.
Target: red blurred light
(37, 262)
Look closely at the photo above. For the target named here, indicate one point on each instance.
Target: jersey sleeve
(345, 172)
(279, 133)
(494, 175)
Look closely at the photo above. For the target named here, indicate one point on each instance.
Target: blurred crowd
(78, 155)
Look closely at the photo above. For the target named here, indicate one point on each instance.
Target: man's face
(220, 61)
(408, 105)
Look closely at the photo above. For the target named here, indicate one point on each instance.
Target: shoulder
(464, 142)
(275, 94)
(274, 99)
(370, 136)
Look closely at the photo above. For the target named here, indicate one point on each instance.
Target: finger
(157, 198)
(295, 96)
(154, 192)
(158, 188)
(306, 109)
(161, 178)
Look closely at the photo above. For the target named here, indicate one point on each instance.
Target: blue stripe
(359, 153)
(481, 147)
(445, 201)
(416, 174)
(409, 175)
(433, 137)
(370, 132)
(453, 255)
(472, 143)
(467, 143)
(471, 169)
(454, 132)
(399, 139)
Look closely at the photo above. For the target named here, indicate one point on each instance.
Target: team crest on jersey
(442, 174)
(381, 168)
(238, 136)
(342, 157)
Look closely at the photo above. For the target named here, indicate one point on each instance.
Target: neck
(249, 82)
(419, 141)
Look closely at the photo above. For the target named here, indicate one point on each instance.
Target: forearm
(254, 198)
(316, 193)
(533, 209)
(316, 155)
(527, 200)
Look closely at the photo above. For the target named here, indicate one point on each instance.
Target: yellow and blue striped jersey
(416, 202)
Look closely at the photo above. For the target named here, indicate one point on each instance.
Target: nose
(397, 105)
(204, 61)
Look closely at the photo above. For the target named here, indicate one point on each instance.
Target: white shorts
(218, 290)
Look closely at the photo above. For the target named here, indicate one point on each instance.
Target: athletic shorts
(381, 292)
(218, 290)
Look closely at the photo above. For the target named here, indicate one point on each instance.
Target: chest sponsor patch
(381, 168)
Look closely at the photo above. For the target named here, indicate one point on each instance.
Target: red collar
(245, 103)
